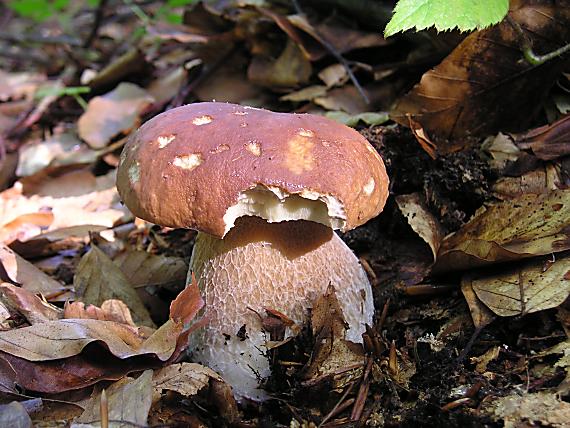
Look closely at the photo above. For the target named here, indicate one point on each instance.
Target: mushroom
(265, 191)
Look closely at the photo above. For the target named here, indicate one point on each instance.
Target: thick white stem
(283, 266)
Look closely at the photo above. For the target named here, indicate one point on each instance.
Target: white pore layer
(274, 205)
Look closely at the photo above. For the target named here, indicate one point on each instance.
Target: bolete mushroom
(265, 191)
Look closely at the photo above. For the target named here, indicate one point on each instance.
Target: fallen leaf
(168, 86)
(524, 289)
(483, 361)
(542, 180)
(184, 378)
(19, 271)
(60, 149)
(305, 94)
(421, 220)
(14, 415)
(34, 309)
(142, 268)
(530, 225)
(547, 142)
(345, 99)
(332, 351)
(540, 409)
(110, 310)
(128, 403)
(19, 85)
(334, 75)
(98, 279)
(368, 117)
(116, 112)
(485, 85)
(289, 70)
(480, 314)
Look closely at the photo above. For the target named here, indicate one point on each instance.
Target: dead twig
(99, 13)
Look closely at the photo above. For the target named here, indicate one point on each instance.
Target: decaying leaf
(62, 355)
(483, 360)
(184, 378)
(98, 279)
(128, 404)
(547, 142)
(532, 287)
(529, 225)
(34, 309)
(542, 408)
(480, 314)
(485, 84)
(421, 220)
(541, 180)
(18, 85)
(19, 271)
(331, 351)
(113, 113)
(368, 117)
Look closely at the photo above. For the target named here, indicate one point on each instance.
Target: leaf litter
(487, 219)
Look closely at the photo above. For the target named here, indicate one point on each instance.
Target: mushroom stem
(283, 266)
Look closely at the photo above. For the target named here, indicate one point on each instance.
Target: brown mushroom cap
(188, 166)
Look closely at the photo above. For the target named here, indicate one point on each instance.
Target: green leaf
(466, 15)
(60, 92)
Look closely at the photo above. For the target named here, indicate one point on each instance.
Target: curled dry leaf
(530, 225)
(485, 84)
(184, 378)
(34, 309)
(332, 351)
(421, 220)
(534, 287)
(113, 113)
(98, 279)
(542, 180)
(19, 271)
(480, 314)
(110, 310)
(52, 357)
(128, 403)
(547, 142)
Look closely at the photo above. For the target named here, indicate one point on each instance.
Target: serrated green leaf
(465, 15)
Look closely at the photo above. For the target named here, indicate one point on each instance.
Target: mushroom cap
(203, 165)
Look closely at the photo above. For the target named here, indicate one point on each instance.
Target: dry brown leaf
(57, 150)
(184, 378)
(109, 115)
(19, 271)
(485, 84)
(421, 220)
(480, 314)
(37, 359)
(289, 70)
(518, 410)
(306, 94)
(331, 351)
(34, 309)
(483, 361)
(128, 403)
(142, 268)
(533, 287)
(168, 86)
(22, 216)
(547, 142)
(98, 279)
(110, 310)
(334, 75)
(541, 180)
(530, 225)
(18, 85)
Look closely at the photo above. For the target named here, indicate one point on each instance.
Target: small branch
(337, 55)
(99, 13)
(530, 56)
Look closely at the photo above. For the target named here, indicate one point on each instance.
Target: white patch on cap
(369, 187)
(240, 113)
(219, 149)
(254, 148)
(306, 133)
(134, 172)
(188, 162)
(165, 140)
(202, 120)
